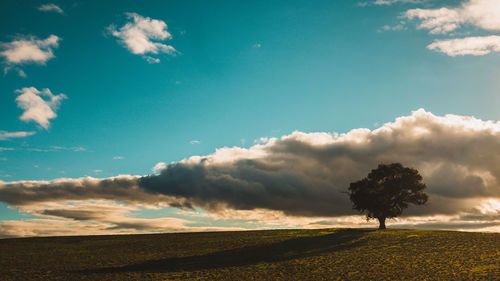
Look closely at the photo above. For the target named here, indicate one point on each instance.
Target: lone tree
(386, 191)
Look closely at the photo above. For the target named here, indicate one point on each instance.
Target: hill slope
(255, 255)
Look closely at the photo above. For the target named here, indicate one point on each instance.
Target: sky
(168, 116)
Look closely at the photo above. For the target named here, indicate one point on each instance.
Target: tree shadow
(286, 250)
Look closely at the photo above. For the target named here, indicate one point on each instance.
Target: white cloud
(257, 45)
(28, 50)
(476, 46)
(484, 14)
(138, 36)
(6, 149)
(158, 167)
(438, 21)
(50, 8)
(36, 108)
(4, 135)
(118, 158)
(195, 142)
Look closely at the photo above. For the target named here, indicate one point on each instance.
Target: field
(343, 254)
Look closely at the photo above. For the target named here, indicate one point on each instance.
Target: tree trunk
(381, 221)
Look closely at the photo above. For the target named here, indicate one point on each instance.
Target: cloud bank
(306, 174)
(138, 35)
(37, 108)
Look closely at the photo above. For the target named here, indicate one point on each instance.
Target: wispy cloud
(397, 27)
(391, 2)
(6, 149)
(50, 7)
(36, 108)
(143, 36)
(56, 148)
(118, 158)
(4, 135)
(28, 50)
(195, 142)
(72, 148)
(95, 217)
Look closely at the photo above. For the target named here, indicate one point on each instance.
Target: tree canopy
(386, 191)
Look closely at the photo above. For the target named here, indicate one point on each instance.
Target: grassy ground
(345, 254)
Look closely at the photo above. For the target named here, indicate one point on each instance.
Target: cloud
(57, 148)
(138, 35)
(28, 50)
(4, 135)
(484, 14)
(195, 142)
(94, 217)
(476, 46)
(36, 108)
(19, 71)
(438, 21)
(151, 60)
(397, 27)
(118, 158)
(73, 148)
(159, 166)
(391, 2)
(306, 174)
(50, 8)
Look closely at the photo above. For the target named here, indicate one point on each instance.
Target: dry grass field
(326, 254)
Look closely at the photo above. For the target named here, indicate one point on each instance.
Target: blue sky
(240, 71)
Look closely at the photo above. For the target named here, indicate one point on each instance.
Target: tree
(386, 191)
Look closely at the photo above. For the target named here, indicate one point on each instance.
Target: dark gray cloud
(306, 173)
(121, 188)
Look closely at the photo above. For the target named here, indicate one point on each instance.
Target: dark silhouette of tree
(386, 191)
